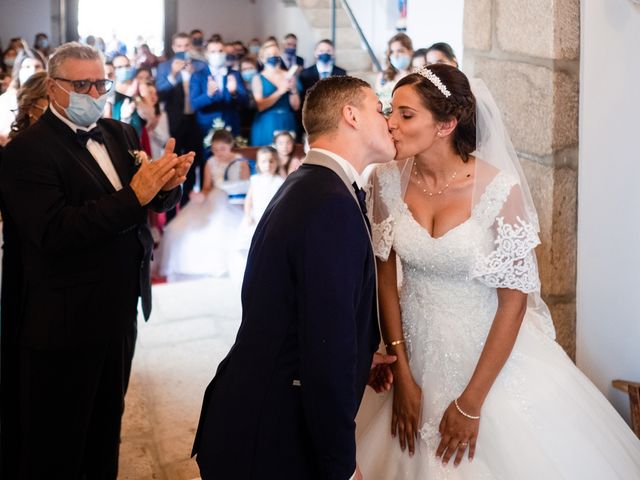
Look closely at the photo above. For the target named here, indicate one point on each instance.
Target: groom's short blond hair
(324, 103)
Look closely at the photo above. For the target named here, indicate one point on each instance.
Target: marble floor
(192, 327)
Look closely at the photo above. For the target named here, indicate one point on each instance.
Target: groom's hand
(381, 376)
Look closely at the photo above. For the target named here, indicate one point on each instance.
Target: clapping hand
(212, 86)
(381, 376)
(232, 84)
(457, 432)
(182, 167)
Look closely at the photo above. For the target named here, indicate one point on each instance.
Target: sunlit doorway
(131, 22)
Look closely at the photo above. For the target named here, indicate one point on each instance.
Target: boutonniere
(138, 157)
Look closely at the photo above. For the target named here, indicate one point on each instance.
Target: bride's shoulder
(493, 181)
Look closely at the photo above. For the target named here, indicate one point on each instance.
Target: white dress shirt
(96, 149)
(349, 170)
(353, 176)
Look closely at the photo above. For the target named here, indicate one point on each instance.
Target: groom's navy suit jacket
(283, 402)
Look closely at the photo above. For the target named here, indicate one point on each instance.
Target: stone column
(527, 51)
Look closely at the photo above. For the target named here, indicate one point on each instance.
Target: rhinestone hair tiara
(433, 78)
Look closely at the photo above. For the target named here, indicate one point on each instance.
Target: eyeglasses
(83, 86)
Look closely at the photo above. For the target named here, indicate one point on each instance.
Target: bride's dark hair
(461, 104)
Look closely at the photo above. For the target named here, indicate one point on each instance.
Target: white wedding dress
(198, 241)
(543, 419)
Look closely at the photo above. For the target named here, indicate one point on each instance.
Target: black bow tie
(94, 134)
(362, 197)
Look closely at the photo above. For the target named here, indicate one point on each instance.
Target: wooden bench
(633, 389)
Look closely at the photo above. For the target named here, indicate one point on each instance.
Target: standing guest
(248, 70)
(441, 52)
(197, 50)
(217, 92)
(399, 54)
(419, 59)
(146, 58)
(172, 80)
(289, 53)
(254, 47)
(27, 63)
(41, 43)
(32, 103)
(324, 67)
(232, 59)
(9, 58)
(77, 204)
(143, 75)
(277, 98)
(126, 88)
(240, 49)
(158, 127)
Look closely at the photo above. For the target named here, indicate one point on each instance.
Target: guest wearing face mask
(8, 59)
(217, 92)
(173, 79)
(27, 63)
(289, 52)
(277, 98)
(399, 55)
(324, 67)
(254, 47)
(196, 50)
(232, 58)
(126, 88)
(248, 70)
(41, 43)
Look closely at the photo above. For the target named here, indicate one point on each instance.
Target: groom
(283, 402)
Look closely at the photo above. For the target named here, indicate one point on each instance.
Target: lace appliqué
(382, 237)
(512, 263)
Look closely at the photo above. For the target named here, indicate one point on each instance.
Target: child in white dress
(263, 187)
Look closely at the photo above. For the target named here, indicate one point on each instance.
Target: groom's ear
(350, 115)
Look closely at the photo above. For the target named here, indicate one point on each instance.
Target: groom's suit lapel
(317, 158)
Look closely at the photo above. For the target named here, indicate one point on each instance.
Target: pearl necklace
(421, 182)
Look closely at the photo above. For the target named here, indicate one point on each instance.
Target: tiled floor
(191, 329)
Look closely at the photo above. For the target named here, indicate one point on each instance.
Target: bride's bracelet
(462, 412)
(394, 343)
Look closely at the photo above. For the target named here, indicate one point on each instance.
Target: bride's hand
(457, 433)
(407, 407)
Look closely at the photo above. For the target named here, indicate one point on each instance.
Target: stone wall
(527, 51)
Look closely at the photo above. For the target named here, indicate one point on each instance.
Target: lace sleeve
(509, 260)
(512, 262)
(382, 223)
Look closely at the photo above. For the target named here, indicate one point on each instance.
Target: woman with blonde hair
(32, 103)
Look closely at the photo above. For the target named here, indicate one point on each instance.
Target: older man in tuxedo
(76, 201)
(284, 400)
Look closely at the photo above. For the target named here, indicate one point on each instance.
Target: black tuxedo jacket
(310, 76)
(173, 96)
(283, 402)
(84, 249)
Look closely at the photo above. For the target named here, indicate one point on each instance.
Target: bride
(481, 389)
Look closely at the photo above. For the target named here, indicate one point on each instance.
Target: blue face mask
(273, 61)
(83, 109)
(124, 74)
(248, 75)
(325, 58)
(400, 62)
(254, 49)
(231, 58)
(290, 51)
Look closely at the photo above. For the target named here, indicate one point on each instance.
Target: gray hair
(71, 50)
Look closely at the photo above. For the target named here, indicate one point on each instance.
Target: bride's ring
(463, 444)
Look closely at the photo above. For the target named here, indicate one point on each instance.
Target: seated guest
(217, 92)
(27, 63)
(288, 162)
(198, 241)
(289, 53)
(419, 59)
(323, 68)
(441, 52)
(32, 103)
(173, 80)
(277, 98)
